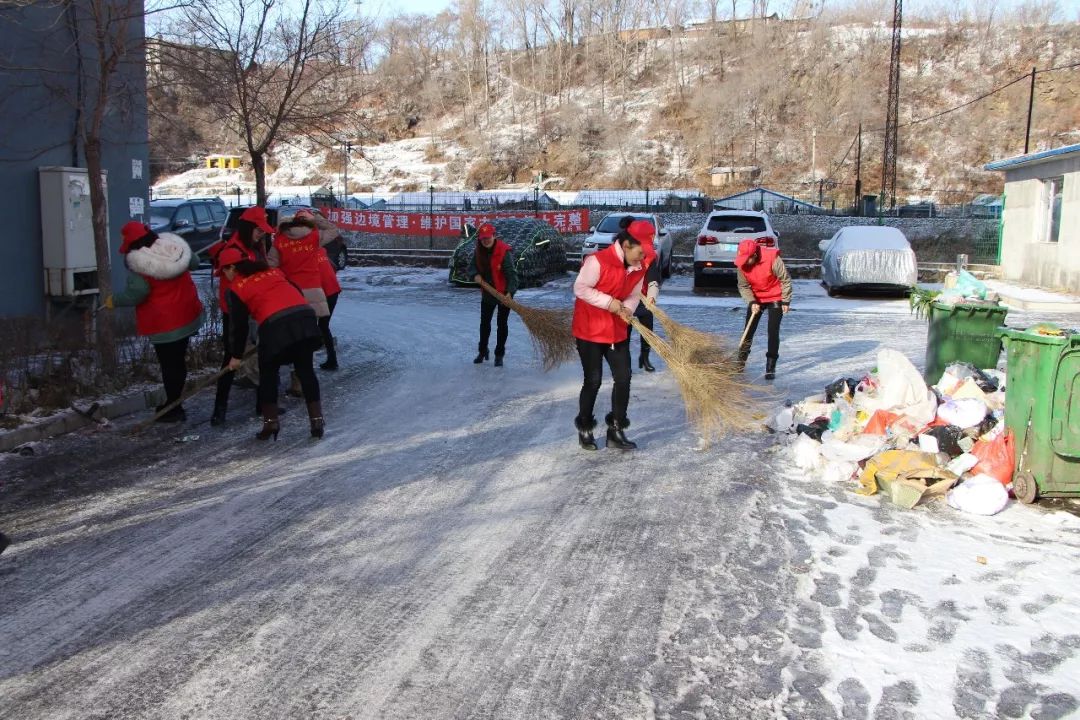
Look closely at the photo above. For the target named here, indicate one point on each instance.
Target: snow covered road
(447, 551)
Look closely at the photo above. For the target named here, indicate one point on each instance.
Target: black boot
(481, 357)
(743, 356)
(175, 415)
(331, 357)
(770, 368)
(585, 432)
(218, 416)
(318, 424)
(498, 361)
(643, 361)
(4, 542)
(616, 437)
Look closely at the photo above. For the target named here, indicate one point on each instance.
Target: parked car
(868, 258)
(338, 250)
(603, 234)
(718, 241)
(539, 252)
(197, 220)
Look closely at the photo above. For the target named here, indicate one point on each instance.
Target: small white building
(1040, 226)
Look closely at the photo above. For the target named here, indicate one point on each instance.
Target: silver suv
(718, 241)
(604, 233)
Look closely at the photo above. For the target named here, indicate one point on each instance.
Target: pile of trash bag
(890, 432)
(963, 287)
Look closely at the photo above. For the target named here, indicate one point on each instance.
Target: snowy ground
(448, 551)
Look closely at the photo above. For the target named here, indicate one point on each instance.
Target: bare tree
(271, 70)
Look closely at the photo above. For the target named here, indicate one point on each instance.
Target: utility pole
(892, 112)
(348, 154)
(1031, 106)
(813, 154)
(858, 174)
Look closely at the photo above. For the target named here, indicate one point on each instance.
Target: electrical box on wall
(67, 232)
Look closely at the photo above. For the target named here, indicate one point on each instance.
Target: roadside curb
(70, 421)
(1050, 306)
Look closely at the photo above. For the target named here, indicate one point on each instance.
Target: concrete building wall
(1027, 256)
(38, 128)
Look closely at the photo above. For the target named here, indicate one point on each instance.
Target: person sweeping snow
(288, 334)
(167, 305)
(764, 283)
(493, 262)
(607, 290)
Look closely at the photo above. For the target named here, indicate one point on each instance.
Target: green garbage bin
(962, 333)
(1042, 408)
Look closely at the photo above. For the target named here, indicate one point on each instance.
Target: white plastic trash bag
(837, 472)
(979, 495)
(806, 452)
(964, 413)
(901, 389)
(856, 449)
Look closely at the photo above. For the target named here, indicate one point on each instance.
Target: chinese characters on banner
(447, 224)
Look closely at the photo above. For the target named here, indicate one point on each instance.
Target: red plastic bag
(880, 422)
(996, 458)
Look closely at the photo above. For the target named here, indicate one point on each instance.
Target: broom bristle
(717, 400)
(549, 330)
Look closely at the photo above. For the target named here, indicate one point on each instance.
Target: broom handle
(746, 330)
(504, 299)
(188, 395)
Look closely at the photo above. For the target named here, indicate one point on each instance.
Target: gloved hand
(108, 303)
(785, 307)
(755, 308)
(477, 279)
(653, 292)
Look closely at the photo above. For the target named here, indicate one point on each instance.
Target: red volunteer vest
(223, 282)
(300, 259)
(498, 255)
(598, 324)
(266, 293)
(171, 305)
(766, 286)
(327, 275)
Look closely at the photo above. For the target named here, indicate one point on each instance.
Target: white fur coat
(167, 258)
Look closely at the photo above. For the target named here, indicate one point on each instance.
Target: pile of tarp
(890, 432)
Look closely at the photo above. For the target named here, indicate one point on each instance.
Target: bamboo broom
(549, 329)
(708, 375)
(206, 382)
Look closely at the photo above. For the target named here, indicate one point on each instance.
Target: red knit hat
(229, 256)
(485, 231)
(746, 250)
(642, 231)
(257, 216)
(130, 233)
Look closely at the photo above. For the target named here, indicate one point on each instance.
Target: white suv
(718, 241)
(604, 233)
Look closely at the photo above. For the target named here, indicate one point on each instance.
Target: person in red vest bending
(764, 283)
(607, 291)
(493, 262)
(167, 306)
(253, 231)
(288, 334)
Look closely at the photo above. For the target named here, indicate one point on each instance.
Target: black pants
(776, 314)
(324, 328)
(645, 316)
(592, 363)
(225, 382)
(301, 357)
(172, 356)
(488, 305)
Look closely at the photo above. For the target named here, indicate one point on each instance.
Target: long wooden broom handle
(188, 395)
(749, 320)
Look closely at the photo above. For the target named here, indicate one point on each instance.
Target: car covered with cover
(539, 251)
(868, 258)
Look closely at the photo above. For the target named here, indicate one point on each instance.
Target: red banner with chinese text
(445, 224)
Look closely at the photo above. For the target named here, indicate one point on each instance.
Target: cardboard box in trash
(907, 476)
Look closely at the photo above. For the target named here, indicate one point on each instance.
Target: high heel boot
(318, 424)
(270, 427)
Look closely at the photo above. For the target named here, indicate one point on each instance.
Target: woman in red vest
(167, 306)
(493, 262)
(253, 230)
(288, 334)
(763, 283)
(607, 291)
